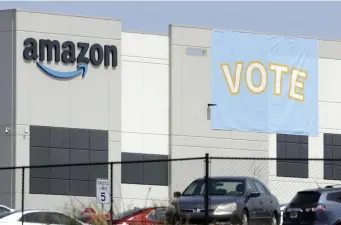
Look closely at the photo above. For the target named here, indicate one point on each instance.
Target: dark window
(4, 214)
(332, 152)
(58, 218)
(292, 147)
(55, 145)
(147, 173)
(2, 210)
(305, 198)
(250, 186)
(335, 197)
(38, 217)
(261, 188)
(216, 187)
(157, 215)
(155, 173)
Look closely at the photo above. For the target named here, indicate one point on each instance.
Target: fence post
(22, 193)
(111, 192)
(206, 200)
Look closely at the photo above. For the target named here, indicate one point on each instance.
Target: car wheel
(245, 218)
(274, 220)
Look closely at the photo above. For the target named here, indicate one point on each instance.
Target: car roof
(324, 189)
(226, 177)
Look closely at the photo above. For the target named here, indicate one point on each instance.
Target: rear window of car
(305, 198)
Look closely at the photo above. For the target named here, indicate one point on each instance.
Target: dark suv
(232, 200)
(315, 206)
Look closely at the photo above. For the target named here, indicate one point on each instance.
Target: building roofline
(137, 32)
(170, 25)
(253, 32)
(59, 14)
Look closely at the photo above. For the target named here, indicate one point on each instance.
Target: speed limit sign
(103, 191)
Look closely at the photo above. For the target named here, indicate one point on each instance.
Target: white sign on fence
(103, 191)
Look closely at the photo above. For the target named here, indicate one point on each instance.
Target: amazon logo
(68, 52)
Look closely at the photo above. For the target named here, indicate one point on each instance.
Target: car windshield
(127, 213)
(216, 187)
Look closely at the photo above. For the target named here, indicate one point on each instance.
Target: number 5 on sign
(103, 191)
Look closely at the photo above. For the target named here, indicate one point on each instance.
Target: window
(38, 217)
(292, 147)
(332, 150)
(149, 173)
(58, 218)
(2, 209)
(57, 145)
(250, 186)
(4, 214)
(157, 215)
(216, 187)
(261, 188)
(305, 198)
(334, 197)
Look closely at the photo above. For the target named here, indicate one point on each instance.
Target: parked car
(4, 208)
(140, 216)
(31, 217)
(235, 200)
(315, 206)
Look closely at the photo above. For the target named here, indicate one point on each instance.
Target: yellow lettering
(261, 87)
(279, 70)
(233, 82)
(296, 84)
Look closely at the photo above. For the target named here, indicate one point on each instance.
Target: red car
(137, 216)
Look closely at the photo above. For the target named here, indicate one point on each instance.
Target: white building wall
(92, 103)
(329, 113)
(144, 108)
(145, 115)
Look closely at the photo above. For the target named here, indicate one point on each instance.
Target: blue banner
(264, 83)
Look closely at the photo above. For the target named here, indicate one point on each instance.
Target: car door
(271, 201)
(264, 200)
(253, 204)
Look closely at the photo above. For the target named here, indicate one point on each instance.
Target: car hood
(194, 202)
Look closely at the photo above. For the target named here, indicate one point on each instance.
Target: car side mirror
(254, 194)
(177, 194)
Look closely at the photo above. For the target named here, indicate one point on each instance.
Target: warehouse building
(73, 95)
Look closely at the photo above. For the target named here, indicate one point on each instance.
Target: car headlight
(225, 209)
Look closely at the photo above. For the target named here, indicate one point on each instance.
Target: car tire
(274, 219)
(245, 218)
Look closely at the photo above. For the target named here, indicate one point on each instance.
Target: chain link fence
(86, 188)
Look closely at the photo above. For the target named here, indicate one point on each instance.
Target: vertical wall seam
(13, 107)
(169, 110)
